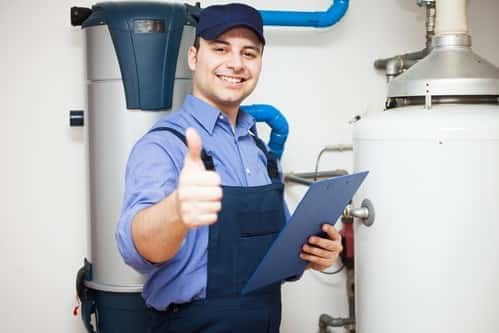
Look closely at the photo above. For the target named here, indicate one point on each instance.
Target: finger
(331, 232)
(200, 178)
(325, 243)
(318, 252)
(194, 146)
(199, 193)
(316, 260)
(201, 207)
(198, 220)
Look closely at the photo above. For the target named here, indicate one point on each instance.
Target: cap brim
(214, 32)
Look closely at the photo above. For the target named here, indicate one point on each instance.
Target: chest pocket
(265, 217)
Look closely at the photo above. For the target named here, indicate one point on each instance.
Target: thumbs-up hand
(199, 191)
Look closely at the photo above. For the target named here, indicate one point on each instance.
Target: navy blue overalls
(250, 220)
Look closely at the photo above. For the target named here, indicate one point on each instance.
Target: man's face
(226, 69)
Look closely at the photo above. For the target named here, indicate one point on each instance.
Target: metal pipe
(382, 63)
(331, 148)
(326, 321)
(339, 148)
(303, 178)
(298, 180)
(320, 174)
(431, 14)
(351, 297)
(398, 64)
(306, 19)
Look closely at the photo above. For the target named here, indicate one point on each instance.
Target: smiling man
(203, 199)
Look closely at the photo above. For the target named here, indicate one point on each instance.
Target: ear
(192, 58)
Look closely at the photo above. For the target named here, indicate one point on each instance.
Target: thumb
(194, 146)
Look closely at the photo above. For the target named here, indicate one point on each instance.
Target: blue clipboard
(324, 202)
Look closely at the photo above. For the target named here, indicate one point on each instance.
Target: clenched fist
(199, 192)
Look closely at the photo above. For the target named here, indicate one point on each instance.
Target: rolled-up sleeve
(151, 175)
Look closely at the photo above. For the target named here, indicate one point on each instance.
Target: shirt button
(221, 117)
(248, 171)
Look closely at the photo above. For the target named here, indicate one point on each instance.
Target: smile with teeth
(231, 79)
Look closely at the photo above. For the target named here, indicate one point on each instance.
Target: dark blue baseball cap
(217, 19)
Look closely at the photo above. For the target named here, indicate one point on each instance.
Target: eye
(220, 50)
(250, 54)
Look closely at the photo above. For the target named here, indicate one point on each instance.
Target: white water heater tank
(429, 261)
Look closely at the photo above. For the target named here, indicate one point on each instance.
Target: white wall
(318, 78)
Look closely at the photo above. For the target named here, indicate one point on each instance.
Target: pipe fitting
(326, 321)
(422, 3)
(452, 40)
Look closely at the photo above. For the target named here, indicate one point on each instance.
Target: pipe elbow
(333, 15)
(275, 120)
(306, 19)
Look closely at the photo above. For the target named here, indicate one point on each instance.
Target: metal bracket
(428, 96)
(365, 213)
(79, 15)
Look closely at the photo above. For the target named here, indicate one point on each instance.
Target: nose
(235, 62)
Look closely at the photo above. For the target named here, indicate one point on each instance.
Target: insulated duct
(277, 122)
(451, 17)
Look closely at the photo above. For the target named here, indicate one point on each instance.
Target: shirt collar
(203, 112)
(245, 123)
(208, 116)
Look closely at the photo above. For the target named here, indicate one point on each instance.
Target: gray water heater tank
(137, 71)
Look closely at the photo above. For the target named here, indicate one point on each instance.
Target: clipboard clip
(365, 213)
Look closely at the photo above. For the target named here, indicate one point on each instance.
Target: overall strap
(207, 159)
(272, 168)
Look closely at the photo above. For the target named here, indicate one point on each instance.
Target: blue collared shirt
(152, 174)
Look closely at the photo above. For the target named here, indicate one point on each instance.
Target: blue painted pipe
(277, 122)
(268, 113)
(306, 19)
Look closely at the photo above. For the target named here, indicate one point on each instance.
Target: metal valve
(365, 213)
(422, 3)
